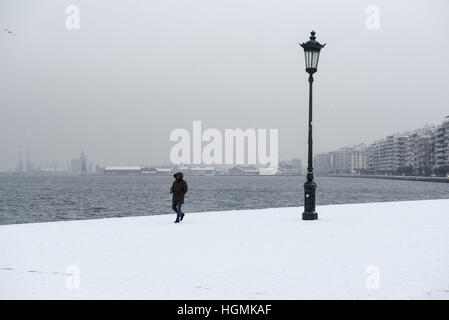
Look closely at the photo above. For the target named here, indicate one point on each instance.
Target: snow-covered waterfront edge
(391, 250)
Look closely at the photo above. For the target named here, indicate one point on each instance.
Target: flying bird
(9, 31)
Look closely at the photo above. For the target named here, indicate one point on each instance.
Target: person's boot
(182, 217)
(177, 220)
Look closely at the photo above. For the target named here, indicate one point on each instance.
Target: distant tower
(28, 166)
(83, 163)
(20, 165)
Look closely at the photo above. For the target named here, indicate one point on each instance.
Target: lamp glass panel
(308, 56)
(314, 58)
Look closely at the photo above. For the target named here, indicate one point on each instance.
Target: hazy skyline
(137, 70)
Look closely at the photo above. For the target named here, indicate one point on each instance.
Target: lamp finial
(312, 37)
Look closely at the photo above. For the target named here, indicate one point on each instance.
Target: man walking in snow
(178, 189)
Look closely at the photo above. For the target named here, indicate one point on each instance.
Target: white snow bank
(377, 250)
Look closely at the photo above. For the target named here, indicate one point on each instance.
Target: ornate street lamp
(312, 50)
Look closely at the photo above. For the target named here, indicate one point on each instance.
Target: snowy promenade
(395, 250)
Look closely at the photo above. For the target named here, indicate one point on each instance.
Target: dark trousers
(176, 206)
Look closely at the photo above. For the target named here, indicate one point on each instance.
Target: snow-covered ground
(395, 250)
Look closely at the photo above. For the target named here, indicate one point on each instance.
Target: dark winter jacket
(179, 188)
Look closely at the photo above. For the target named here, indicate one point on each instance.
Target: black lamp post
(312, 50)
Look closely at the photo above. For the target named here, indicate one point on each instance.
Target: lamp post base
(309, 197)
(309, 216)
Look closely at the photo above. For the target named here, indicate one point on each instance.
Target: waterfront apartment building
(341, 161)
(398, 153)
(440, 145)
(419, 152)
(323, 163)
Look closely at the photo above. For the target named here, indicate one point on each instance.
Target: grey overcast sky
(136, 70)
